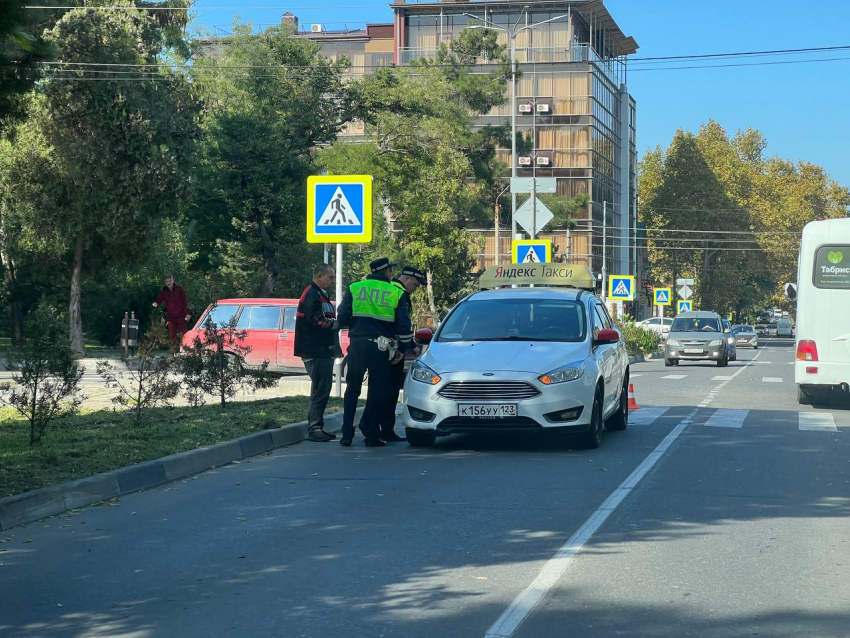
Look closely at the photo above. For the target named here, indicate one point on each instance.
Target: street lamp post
(512, 36)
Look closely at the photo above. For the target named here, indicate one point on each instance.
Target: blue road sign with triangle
(531, 254)
(662, 296)
(684, 306)
(622, 287)
(339, 209)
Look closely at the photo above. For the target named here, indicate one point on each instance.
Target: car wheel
(592, 439)
(803, 397)
(420, 438)
(734, 357)
(671, 362)
(723, 362)
(620, 419)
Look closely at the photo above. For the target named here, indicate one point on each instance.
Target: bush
(47, 376)
(638, 340)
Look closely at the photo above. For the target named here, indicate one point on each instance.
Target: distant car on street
(745, 336)
(269, 325)
(658, 325)
(696, 336)
(730, 340)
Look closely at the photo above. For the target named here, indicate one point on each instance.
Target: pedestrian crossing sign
(532, 251)
(621, 288)
(339, 209)
(663, 296)
(684, 306)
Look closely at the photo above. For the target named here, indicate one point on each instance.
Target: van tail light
(807, 350)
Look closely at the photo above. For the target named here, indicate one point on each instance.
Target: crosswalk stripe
(771, 380)
(675, 376)
(721, 377)
(725, 418)
(645, 416)
(817, 421)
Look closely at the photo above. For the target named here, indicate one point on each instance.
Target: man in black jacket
(317, 343)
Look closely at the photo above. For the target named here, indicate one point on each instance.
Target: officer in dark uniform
(408, 281)
(379, 332)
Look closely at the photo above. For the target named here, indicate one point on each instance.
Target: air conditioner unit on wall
(524, 161)
(543, 161)
(317, 28)
(525, 108)
(543, 108)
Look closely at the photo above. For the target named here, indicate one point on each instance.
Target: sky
(802, 109)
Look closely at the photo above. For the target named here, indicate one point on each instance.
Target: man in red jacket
(176, 308)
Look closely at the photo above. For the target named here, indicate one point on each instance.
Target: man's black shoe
(345, 442)
(318, 436)
(392, 437)
(375, 443)
(328, 434)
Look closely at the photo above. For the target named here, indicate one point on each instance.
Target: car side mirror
(791, 291)
(606, 336)
(424, 335)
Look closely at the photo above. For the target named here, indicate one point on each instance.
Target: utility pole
(338, 299)
(534, 169)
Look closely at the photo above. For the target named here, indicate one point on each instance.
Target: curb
(641, 358)
(56, 499)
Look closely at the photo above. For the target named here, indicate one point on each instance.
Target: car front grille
(463, 424)
(489, 390)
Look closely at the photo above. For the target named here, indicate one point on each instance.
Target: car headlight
(569, 372)
(422, 373)
(674, 343)
(730, 340)
(716, 342)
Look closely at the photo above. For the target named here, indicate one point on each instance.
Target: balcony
(537, 55)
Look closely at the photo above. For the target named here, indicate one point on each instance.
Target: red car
(270, 328)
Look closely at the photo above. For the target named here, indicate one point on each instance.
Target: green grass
(102, 440)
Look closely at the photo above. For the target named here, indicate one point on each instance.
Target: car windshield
(515, 319)
(737, 329)
(695, 324)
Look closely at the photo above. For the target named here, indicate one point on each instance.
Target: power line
(726, 66)
(741, 54)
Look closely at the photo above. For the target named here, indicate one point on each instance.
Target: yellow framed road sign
(684, 306)
(621, 287)
(663, 296)
(339, 209)
(531, 251)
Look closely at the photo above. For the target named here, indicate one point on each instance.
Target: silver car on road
(697, 336)
(521, 359)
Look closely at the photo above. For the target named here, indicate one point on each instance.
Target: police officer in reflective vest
(379, 332)
(408, 282)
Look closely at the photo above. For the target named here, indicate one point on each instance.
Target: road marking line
(720, 377)
(646, 416)
(527, 600)
(817, 421)
(635, 376)
(771, 380)
(725, 418)
(675, 376)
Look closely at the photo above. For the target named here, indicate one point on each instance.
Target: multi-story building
(574, 66)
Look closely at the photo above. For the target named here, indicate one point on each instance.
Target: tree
(215, 365)
(260, 136)
(47, 376)
(120, 145)
(717, 210)
(432, 169)
(149, 381)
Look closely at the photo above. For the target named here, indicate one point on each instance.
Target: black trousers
(364, 356)
(395, 383)
(321, 373)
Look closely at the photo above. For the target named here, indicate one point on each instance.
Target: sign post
(663, 298)
(339, 210)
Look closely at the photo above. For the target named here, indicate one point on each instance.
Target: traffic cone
(632, 403)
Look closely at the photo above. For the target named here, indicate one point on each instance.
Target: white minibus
(823, 310)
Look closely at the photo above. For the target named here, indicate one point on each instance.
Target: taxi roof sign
(568, 275)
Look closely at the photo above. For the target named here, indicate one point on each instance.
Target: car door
(619, 359)
(261, 324)
(605, 355)
(286, 340)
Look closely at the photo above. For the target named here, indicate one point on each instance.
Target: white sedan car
(520, 359)
(657, 324)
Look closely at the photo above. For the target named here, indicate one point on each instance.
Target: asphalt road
(722, 511)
